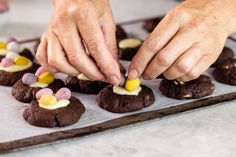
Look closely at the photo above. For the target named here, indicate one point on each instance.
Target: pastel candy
(43, 92)
(11, 39)
(48, 99)
(29, 78)
(46, 77)
(132, 85)
(12, 55)
(13, 46)
(20, 60)
(6, 62)
(3, 45)
(40, 71)
(63, 94)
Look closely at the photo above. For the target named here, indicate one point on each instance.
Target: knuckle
(193, 75)
(39, 56)
(183, 66)
(182, 13)
(164, 59)
(73, 58)
(52, 61)
(152, 44)
(93, 47)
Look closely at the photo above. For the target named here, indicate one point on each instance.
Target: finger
(154, 43)
(70, 40)
(185, 63)
(93, 37)
(59, 62)
(200, 68)
(170, 53)
(41, 55)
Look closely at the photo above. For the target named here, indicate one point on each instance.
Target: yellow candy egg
(3, 45)
(21, 60)
(48, 99)
(46, 77)
(132, 85)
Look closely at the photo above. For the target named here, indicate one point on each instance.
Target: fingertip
(133, 74)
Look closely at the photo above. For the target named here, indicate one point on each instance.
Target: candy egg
(46, 77)
(132, 85)
(40, 71)
(11, 39)
(3, 45)
(13, 46)
(20, 60)
(43, 92)
(11, 55)
(63, 94)
(48, 99)
(6, 62)
(29, 78)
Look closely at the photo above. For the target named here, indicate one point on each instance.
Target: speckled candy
(43, 92)
(46, 77)
(12, 55)
(29, 78)
(63, 94)
(13, 46)
(6, 62)
(3, 45)
(40, 71)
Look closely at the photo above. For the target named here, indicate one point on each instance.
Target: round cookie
(150, 25)
(116, 103)
(10, 78)
(25, 93)
(226, 53)
(128, 48)
(225, 72)
(61, 117)
(120, 33)
(84, 86)
(194, 89)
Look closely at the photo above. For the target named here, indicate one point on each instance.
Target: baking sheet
(13, 126)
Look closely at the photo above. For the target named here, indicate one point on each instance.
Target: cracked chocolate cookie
(225, 72)
(150, 25)
(226, 53)
(194, 89)
(117, 103)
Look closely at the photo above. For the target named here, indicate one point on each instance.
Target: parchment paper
(13, 126)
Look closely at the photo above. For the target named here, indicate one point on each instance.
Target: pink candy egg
(63, 94)
(11, 39)
(13, 46)
(29, 78)
(43, 92)
(11, 55)
(40, 71)
(6, 62)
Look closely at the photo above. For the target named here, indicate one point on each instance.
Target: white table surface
(209, 132)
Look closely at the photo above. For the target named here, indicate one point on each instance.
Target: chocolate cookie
(225, 72)
(116, 103)
(25, 93)
(226, 53)
(128, 48)
(10, 78)
(61, 117)
(195, 89)
(120, 33)
(150, 25)
(82, 86)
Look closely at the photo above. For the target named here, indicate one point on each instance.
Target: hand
(75, 26)
(3, 6)
(186, 42)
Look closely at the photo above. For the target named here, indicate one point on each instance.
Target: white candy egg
(13, 46)
(12, 55)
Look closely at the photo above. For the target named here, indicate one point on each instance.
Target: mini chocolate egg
(29, 78)
(12, 55)
(13, 46)
(43, 92)
(3, 45)
(48, 99)
(21, 60)
(11, 39)
(132, 85)
(6, 62)
(46, 77)
(63, 94)
(40, 71)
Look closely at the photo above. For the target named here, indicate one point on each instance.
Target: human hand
(75, 26)
(186, 42)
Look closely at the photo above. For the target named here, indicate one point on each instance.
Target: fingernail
(133, 74)
(114, 80)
